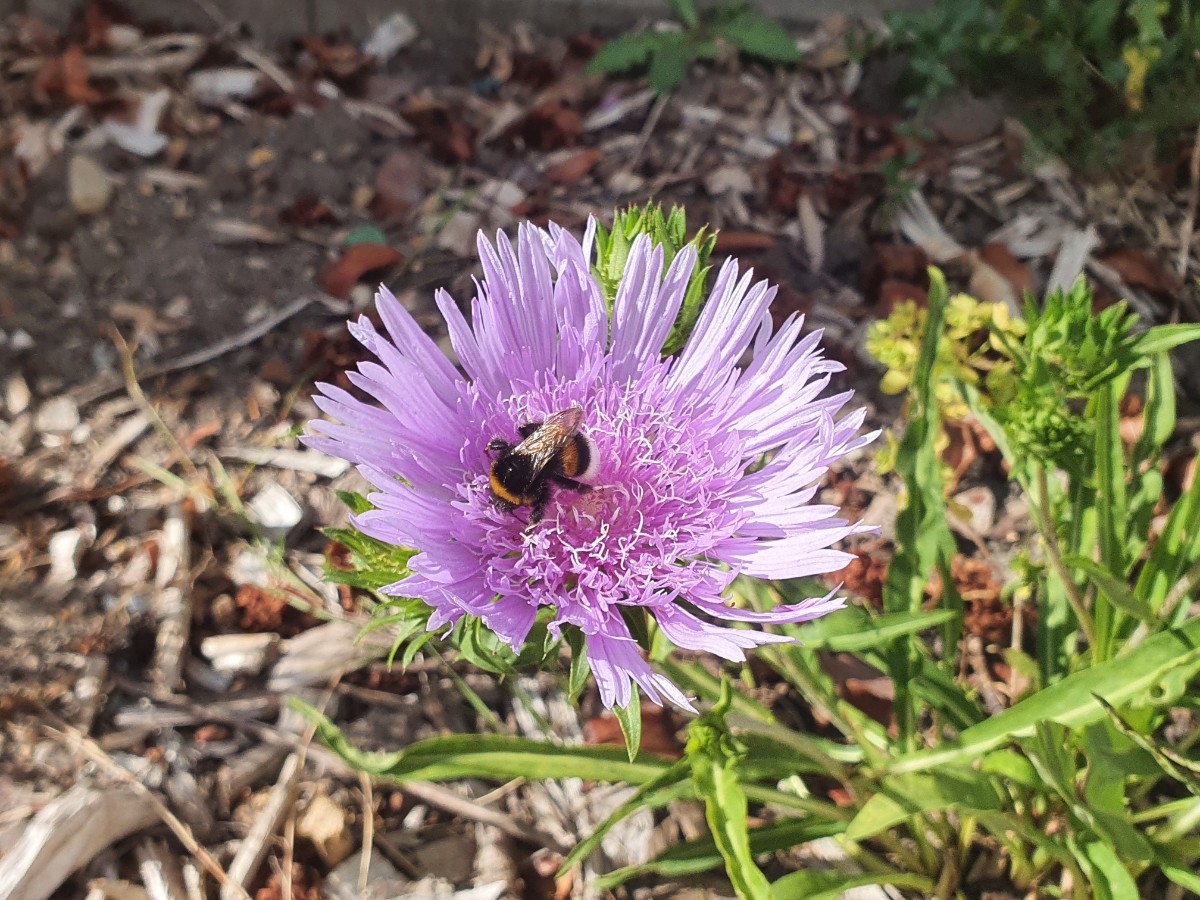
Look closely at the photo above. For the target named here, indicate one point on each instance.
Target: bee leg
(537, 509)
(528, 428)
(571, 484)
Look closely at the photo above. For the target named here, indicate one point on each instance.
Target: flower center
(657, 506)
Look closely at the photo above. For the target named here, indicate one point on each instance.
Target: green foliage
(1089, 74)
(1077, 780)
(670, 233)
(667, 54)
(974, 349)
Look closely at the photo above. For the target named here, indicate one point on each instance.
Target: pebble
(275, 510)
(58, 415)
(240, 654)
(728, 180)
(16, 396)
(89, 185)
(65, 550)
(20, 340)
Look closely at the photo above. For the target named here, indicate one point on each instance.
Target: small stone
(394, 33)
(89, 185)
(240, 654)
(58, 415)
(728, 180)
(275, 510)
(20, 340)
(66, 550)
(16, 396)
(383, 879)
(324, 824)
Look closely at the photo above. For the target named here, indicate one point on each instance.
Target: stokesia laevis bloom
(682, 501)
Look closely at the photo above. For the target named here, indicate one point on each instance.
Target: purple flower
(681, 500)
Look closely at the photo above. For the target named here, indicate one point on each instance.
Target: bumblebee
(550, 452)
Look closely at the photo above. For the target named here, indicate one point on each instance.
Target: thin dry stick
(139, 397)
(368, 836)
(67, 734)
(106, 384)
(1189, 221)
(648, 129)
(289, 855)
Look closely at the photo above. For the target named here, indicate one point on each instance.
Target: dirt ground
(186, 221)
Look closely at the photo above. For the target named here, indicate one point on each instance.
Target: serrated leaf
(375, 564)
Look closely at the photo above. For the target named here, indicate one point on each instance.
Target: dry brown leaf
(572, 170)
(893, 292)
(1138, 268)
(658, 731)
(338, 278)
(399, 185)
(1015, 272)
(742, 242)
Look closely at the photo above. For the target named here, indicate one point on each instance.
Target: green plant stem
(1178, 826)
(1054, 554)
(1179, 593)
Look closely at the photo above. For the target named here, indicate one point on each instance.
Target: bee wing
(544, 444)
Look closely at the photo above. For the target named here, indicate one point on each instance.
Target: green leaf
(854, 629)
(355, 501)
(900, 797)
(488, 756)
(686, 11)
(1175, 550)
(630, 719)
(1108, 875)
(1185, 771)
(375, 564)
(1185, 878)
(923, 537)
(1114, 589)
(1130, 678)
(668, 65)
(577, 679)
(760, 37)
(624, 53)
(1166, 337)
(701, 855)
(817, 884)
